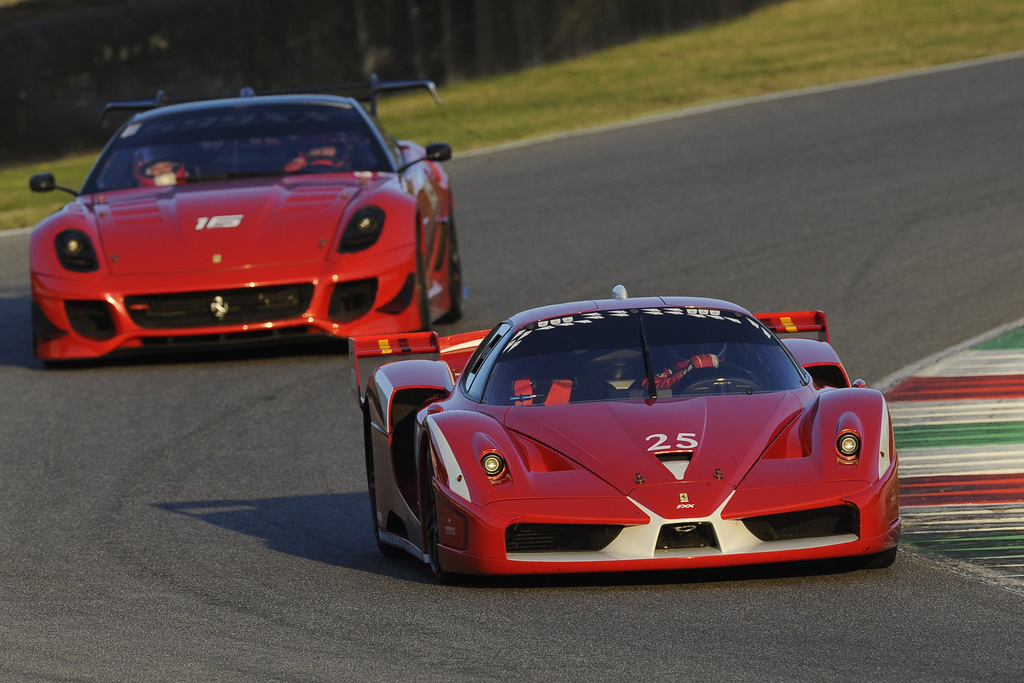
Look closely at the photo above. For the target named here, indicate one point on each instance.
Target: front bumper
(858, 521)
(81, 317)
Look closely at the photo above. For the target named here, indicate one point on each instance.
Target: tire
(371, 485)
(433, 537)
(421, 285)
(458, 305)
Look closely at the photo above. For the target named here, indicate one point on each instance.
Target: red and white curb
(959, 423)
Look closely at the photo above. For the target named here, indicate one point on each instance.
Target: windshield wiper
(647, 360)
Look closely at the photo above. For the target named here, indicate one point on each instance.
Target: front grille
(254, 337)
(687, 535)
(219, 307)
(837, 520)
(90, 319)
(559, 538)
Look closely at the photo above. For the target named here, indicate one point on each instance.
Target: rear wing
(364, 92)
(368, 353)
(797, 322)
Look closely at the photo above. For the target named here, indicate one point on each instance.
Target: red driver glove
(668, 378)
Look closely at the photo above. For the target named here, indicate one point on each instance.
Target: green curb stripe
(939, 540)
(983, 552)
(958, 435)
(1014, 339)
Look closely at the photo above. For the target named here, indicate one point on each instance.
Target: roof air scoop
(619, 292)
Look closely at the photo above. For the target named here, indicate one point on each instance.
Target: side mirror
(439, 151)
(436, 151)
(44, 182)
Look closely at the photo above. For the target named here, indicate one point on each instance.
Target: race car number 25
(684, 441)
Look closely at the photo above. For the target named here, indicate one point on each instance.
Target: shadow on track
(16, 335)
(330, 528)
(335, 529)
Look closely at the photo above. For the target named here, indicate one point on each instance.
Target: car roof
(575, 307)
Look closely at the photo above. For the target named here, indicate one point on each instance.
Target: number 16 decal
(684, 441)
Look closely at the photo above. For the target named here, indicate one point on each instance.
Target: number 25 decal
(684, 441)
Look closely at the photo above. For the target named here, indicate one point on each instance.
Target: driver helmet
(329, 150)
(156, 170)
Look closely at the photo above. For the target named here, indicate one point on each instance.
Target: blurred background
(61, 61)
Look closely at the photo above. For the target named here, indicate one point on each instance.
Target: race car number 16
(684, 441)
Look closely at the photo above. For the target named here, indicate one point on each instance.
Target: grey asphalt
(206, 518)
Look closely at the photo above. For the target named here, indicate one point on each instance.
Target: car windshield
(641, 354)
(236, 141)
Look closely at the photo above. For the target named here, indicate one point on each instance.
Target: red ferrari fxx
(255, 218)
(625, 434)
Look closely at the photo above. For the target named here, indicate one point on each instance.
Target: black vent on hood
(559, 538)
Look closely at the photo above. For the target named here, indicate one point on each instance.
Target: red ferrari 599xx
(255, 218)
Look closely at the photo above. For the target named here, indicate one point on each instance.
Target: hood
(654, 451)
(223, 225)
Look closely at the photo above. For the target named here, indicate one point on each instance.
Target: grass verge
(795, 44)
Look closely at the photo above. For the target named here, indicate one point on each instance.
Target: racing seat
(525, 390)
(560, 391)
(522, 391)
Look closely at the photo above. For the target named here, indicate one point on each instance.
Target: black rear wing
(364, 92)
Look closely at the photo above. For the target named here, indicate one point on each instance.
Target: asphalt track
(206, 518)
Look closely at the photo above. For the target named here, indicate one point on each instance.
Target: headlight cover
(494, 465)
(848, 446)
(362, 229)
(75, 251)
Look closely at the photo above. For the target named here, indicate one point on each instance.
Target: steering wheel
(725, 379)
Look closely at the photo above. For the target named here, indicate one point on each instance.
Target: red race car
(248, 219)
(625, 434)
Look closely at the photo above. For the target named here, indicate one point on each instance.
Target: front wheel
(371, 485)
(433, 534)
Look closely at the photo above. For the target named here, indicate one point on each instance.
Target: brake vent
(828, 375)
(559, 538)
(350, 300)
(91, 319)
(837, 520)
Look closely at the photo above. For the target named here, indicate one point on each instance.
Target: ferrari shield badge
(219, 307)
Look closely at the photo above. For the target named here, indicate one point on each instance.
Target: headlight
(362, 230)
(848, 447)
(493, 464)
(75, 251)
